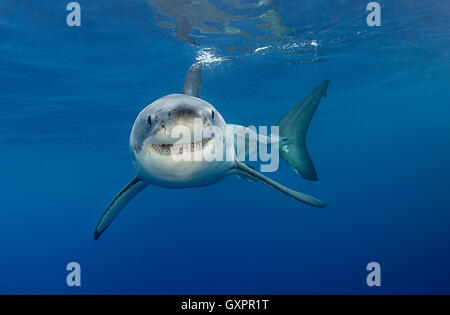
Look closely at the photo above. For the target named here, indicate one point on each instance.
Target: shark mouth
(176, 149)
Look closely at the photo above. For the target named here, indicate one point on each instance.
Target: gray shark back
(293, 128)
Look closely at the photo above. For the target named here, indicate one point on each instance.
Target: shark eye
(149, 120)
(212, 114)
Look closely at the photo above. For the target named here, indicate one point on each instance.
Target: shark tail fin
(293, 128)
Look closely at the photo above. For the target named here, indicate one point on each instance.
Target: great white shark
(153, 146)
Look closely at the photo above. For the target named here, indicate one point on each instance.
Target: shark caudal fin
(293, 128)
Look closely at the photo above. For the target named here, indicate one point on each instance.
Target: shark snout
(184, 118)
(178, 128)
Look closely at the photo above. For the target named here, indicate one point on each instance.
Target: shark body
(162, 160)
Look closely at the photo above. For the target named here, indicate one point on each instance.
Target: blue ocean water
(380, 142)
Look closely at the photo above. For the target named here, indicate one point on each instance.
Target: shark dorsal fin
(193, 82)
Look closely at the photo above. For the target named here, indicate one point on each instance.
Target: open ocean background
(380, 142)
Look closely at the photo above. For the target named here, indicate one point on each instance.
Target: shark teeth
(175, 149)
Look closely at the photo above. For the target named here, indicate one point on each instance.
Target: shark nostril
(164, 127)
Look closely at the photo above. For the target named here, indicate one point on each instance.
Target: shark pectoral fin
(121, 200)
(293, 128)
(193, 81)
(309, 200)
